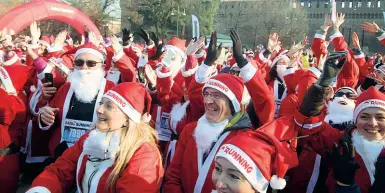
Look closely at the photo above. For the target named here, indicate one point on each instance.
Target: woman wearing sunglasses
(119, 155)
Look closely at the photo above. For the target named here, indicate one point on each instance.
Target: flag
(334, 11)
(195, 26)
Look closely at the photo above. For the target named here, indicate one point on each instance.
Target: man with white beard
(224, 118)
(72, 111)
(340, 108)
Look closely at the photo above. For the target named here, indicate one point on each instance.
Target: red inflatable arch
(22, 16)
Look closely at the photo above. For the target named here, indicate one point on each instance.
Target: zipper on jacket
(90, 179)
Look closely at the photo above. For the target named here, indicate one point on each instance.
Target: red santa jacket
(58, 102)
(35, 141)
(125, 66)
(318, 45)
(321, 137)
(185, 174)
(142, 174)
(348, 77)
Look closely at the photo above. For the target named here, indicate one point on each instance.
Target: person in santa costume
(12, 118)
(73, 109)
(119, 155)
(366, 136)
(241, 169)
(224, 119)
(9, 57)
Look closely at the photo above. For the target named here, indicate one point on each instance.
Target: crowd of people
(178, 117)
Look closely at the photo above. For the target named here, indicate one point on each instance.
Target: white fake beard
(102, 145)
(368, 150)
(281, 71)
(338, 113)
(86, 83)
(207, 132)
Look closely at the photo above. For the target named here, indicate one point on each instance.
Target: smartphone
(48, 78)
(169, 58)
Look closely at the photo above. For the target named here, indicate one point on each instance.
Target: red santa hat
(14, 77)
(229, 85)
(45, 40)
(177, 45)
(10, 59)
(258, 164)
(91, 49)
(281, 55)
(133, 99)
(369, 98)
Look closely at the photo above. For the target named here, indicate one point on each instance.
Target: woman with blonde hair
(119, 155)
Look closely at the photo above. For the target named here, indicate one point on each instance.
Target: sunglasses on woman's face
(348, 95)
(89, 63)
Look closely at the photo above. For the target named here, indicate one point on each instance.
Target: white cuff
(160, 74)
(48, 69)
(38, 189)
(381, 37)
(315, 71)
(248, 72)
(262, 57)
(362, 55)
(190, 72)
(118, 56)
(54, 49)
(203, 73)
(336, 35)
(320, 36)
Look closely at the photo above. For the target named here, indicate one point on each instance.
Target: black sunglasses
(89, 63)
(348, 95)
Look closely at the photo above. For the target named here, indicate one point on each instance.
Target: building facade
(357, 12)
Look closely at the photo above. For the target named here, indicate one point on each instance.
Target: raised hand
(332, 66)
(339, 21)
(60, 38)
(115, 44)
(344, 166)
(145, 36)
(150, 75)
(273, 43)
(370, 27)
(127, 37)
(213, 52)
(327, 23)
(48, 91)
(35, 32)
(356, 41)
(93, 39)
(194, 46)
(237, 49)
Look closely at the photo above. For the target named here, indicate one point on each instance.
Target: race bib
(73, 130)
(164, 132)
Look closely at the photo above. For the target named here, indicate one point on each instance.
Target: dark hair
(273, 73)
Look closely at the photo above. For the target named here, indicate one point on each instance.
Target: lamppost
(177, 19)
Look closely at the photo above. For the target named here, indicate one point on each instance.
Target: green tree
(163, 16)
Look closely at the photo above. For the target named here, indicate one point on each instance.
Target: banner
(195, 26)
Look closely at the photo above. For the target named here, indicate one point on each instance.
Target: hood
(243, 123)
